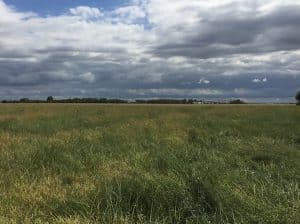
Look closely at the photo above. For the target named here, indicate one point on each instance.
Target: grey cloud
(225, 33)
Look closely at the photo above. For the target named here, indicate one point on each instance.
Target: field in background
(149, 164)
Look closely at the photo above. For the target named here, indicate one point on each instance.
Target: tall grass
(149, 164)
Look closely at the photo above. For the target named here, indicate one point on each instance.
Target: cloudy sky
(150, 48)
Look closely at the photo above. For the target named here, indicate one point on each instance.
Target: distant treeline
(166, 101)
(70, 100)
(50, 99)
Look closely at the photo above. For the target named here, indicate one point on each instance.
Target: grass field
(149, 164)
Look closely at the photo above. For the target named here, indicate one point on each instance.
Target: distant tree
(50, 99)
(24, 100)
(298, 97)
(238, 101)
(190, 101)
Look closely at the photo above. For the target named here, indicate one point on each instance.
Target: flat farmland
(89, 163)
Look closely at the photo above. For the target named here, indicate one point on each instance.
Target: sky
(150, 49)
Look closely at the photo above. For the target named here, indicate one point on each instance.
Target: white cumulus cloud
(86, 12)
(256, 80)
(204, 81)
(129, 13)
(87, 77)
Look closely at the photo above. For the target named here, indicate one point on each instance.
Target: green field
(149, 164)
